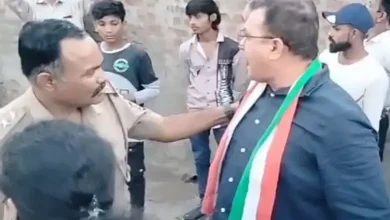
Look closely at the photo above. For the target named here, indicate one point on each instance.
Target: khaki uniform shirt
(114, 119)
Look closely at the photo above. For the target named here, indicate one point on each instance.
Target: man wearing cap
(351, 67)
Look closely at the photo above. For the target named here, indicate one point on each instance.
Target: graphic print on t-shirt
(121, 84)
(121, 65)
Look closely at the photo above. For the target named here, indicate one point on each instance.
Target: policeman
(63, 65)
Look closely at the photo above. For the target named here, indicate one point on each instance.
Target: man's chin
(257, 77)
(336, 48)
(331, 50)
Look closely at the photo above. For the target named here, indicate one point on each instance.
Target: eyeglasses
(241, 38)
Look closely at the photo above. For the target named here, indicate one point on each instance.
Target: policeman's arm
(22, 9)
(351, 171)
(154, 127)
(240, 74)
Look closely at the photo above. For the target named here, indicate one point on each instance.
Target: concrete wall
(161, 26)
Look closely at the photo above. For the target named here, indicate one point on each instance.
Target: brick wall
(161, 26)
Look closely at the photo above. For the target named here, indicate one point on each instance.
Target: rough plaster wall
(161, 26)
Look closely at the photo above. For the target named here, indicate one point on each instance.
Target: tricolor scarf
(255, 195)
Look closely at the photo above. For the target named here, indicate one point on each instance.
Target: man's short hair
(108, 7)
(294, 21)
(208, 7)
(57, 170)
(39, 45)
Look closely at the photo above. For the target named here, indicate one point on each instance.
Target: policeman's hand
(230, 109)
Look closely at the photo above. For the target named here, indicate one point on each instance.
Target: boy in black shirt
(130, 70)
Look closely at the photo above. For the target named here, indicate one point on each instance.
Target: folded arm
(21, 8)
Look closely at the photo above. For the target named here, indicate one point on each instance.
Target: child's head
(109, 16)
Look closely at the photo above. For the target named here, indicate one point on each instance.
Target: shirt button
(243, 150)
(223, 210)
(141, 170)
(231, 179)
(257, 121)
(272, 95)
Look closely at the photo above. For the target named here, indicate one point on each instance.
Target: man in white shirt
(75, 11)
(378, 45)
(350, 65)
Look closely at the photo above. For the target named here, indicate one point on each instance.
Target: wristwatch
(229, 110)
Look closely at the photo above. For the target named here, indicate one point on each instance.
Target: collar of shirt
(314, 83)
(220, 38)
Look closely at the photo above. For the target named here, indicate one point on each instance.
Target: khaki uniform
(115, 119)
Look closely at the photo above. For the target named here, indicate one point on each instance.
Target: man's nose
(330, 33)
(101, 76)
(192, 21)
(241, 43)
(109, 29)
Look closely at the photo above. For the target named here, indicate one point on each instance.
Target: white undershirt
(366, 81)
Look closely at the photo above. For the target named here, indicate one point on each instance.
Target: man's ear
(95, 26)
(45, 81)
(276, 49)
(382, 17)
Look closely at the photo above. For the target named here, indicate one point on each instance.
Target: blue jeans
(200, 144)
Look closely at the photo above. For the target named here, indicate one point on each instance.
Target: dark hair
(57, 170)
(39, 45)
(108, 7)
(294, 21)
(386, 7)
(208, 7)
